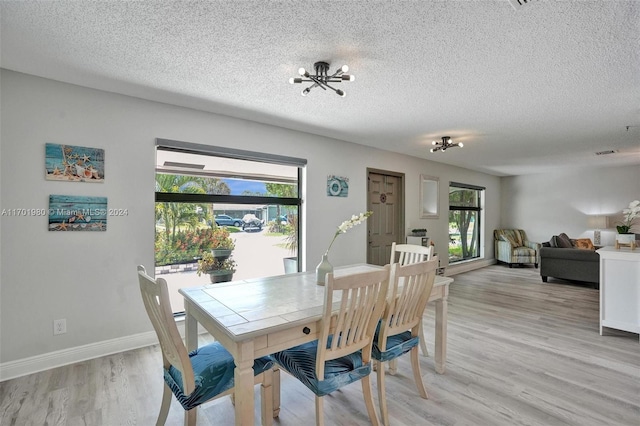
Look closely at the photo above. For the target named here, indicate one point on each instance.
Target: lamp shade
(598, 222)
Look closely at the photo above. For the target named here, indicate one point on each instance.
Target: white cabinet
(619, 289)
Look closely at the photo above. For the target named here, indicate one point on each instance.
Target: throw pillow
(509, 239)
(563, 241)
(585, 244)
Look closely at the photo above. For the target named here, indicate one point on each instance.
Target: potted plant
(625, 236)
(218, 262)
(222, 243)
(219, 269)
(291, 244)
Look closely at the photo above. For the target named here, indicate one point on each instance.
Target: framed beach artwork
(69, 163)
(77, 213)
(337, 186)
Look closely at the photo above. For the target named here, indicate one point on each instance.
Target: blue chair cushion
(300, 362)
(213, 370)
(397, 345)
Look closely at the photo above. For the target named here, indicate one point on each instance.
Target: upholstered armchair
(512, 246)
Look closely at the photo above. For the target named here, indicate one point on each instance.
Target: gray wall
(89, 278)
(549, 204)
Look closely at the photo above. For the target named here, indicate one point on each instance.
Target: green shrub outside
(188, 246)
(276, 227)
(455, 251)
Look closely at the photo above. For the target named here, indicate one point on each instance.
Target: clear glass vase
(323, 269)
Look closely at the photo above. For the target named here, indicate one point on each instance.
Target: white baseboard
(459, 268)
(34, 364)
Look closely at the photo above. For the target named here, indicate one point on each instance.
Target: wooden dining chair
(399, 330)
(406, 254)
(204, 374)
(342, 353)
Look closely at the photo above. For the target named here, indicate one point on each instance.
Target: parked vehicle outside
(250, 221)
(225, 220)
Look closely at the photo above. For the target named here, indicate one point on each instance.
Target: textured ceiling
(526, 90)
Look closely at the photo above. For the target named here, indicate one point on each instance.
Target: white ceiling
(526, 90)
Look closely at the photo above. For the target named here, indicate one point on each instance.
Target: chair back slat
(352, 327)
(410, 253)
(411, 285)
(155, 296)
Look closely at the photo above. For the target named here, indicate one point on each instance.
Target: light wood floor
(520, 352)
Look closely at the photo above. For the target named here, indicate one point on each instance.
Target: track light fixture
(322, 78)
(446, 143)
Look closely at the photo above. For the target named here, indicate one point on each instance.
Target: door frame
(401, 201)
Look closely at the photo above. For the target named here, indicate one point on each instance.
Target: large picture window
(465, 207)
(210, 199)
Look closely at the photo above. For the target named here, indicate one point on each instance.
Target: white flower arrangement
(348, 224)
(629, 214)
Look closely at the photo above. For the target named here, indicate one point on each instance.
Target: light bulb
(302, 71)
(460, 145)
(348, 77)
(341, 93)
(434, 142)
(345, 68)
(291, 80)
(432, 150)
(305, 92)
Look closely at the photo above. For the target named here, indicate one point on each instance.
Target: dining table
(260, 316)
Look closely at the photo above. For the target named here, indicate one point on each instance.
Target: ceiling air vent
(519, 4)
(607, 152)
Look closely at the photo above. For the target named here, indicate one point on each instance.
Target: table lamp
(597, 223)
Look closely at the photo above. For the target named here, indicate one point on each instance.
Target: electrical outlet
(59, 326)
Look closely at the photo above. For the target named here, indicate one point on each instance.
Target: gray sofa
(569, 264)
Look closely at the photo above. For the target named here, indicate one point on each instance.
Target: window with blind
(465, 208)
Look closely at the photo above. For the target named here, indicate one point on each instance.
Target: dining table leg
(190, 329)
(440, 356)
(244, 382)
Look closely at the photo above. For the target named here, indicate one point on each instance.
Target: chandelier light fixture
(446, 143)
(322, 78)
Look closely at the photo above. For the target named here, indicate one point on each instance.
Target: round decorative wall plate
(335, 187)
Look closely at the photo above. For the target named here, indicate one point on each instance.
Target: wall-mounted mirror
(429, 196)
